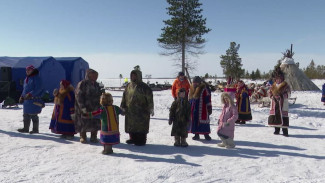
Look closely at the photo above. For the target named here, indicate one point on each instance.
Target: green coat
(137, 102)
(180, 113)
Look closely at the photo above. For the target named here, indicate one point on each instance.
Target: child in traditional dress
(243, 103)
(109, 132)
(61, 122)
(323, 93)
(227, 119)
(279, 94)
(179, 116)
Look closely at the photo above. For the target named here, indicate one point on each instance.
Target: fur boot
(230, 143)
(183, 142)
(223, 142)
(83, 137)
(177, 141)
(107, 149)
(93, 137)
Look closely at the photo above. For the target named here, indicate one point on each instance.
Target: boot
(230, 143)
(35, 120)
(183, 142)
(196, 137)
(26, 120)
(223, 142)
(177, 141)
(276, 131)
(83, 137)
(69, 137)
(93, 137)
(285, 132)
(107, 149)
(130, 141)
(140, 139)
(207, 137)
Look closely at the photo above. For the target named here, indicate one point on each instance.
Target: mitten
(21, 100)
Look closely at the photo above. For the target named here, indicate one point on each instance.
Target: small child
(179, 116)
(109, 128)
(227, 119)
(323, 94)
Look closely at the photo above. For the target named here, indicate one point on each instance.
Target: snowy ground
(259, 155)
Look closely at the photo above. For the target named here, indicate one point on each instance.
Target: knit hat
(65, 83)
(30, 67)
(197, 79)
(181, 74)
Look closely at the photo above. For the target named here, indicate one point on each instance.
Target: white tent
(295, 77)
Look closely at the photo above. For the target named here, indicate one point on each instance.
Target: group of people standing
(87, 108)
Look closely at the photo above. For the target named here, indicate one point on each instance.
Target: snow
(259, 155)
(288, 61)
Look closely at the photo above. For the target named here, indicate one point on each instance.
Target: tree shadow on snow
(301, 128)
(40, 136)
(308, 136)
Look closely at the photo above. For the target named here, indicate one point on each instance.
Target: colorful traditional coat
(200, 101)
(243, 104)
(178, 84)
(279, 105)
(33, 86)
(61, 122)
(109, 128)
(137, 101)
(87, 98)
(227, 119)
(180, 114)
(323, 93)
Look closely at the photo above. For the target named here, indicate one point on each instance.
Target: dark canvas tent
(75, 68)
(51, 71)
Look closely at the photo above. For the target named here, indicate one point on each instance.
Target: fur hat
(30, 67)
(197, 79)
(277, 73)
(181, 74)
(65, 83)
(106, 99)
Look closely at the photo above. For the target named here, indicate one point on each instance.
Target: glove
(209, 111)
(84, 111)
(21, 100)
(55, 92)
(73, 117)
(170, 121)
(152, 112)
(28, 96)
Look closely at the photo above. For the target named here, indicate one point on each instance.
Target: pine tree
(231, 62)
(184, 30)
(257, 74)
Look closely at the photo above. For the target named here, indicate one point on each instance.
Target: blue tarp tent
(51, 71)
(75, 68)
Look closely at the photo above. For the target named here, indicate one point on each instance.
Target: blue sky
(115, 35)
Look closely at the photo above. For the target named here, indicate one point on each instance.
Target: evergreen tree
(257, 74)
(231, 62)
(253, 76)
(184, 30)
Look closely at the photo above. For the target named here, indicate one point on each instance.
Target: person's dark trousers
(35, 120)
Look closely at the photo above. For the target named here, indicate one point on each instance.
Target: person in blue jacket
(31, 100)
(323, 94)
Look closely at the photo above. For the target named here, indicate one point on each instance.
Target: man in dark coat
(88, 94)
(137, 102)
